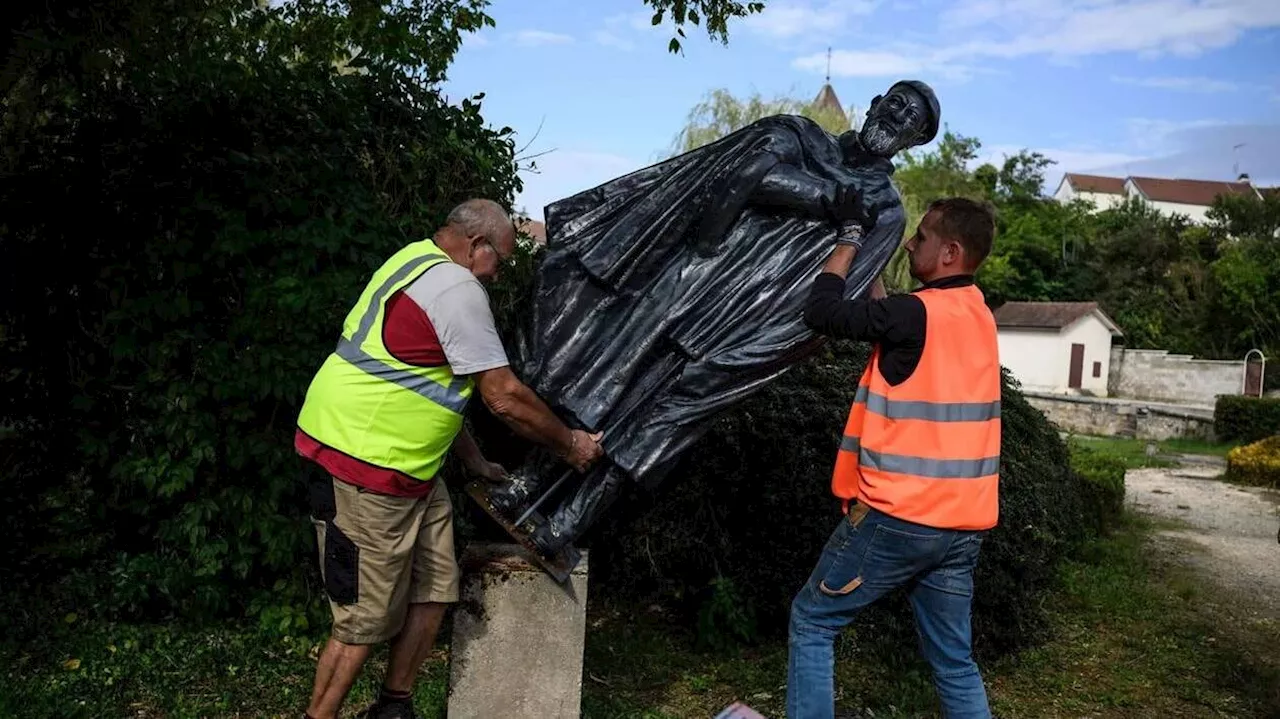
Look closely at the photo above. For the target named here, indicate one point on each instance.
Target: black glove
(847, 206)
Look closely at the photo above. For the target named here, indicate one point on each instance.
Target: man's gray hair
(480, 217)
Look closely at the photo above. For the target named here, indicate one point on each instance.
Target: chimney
(1244, 177)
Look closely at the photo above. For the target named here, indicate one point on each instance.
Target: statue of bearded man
(671, 294)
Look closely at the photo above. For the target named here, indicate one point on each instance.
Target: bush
(1104, 474)
(1256, 464)
(1245, 419)
(190, 211)
(751, 504)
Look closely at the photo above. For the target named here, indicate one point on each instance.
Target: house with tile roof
(1103, 192)
(1057, 347)
(1191, 198)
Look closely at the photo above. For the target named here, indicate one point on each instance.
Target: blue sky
(1146, 87)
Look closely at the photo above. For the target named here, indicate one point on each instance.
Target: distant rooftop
(827, 100)
(1156, 189)
(1047, 315)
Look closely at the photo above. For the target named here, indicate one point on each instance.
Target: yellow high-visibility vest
(366, 403)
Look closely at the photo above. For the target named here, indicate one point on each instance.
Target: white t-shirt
(458, 307)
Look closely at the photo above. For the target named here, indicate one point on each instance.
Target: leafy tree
(925, 176)
(715, 14)
(193, 193)
(721, 113)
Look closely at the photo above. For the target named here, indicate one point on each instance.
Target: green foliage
(719, 113)
(1257, 464)
(184, 230)
(1245, 419)
(713, 14)
(752, 503)
(1210, 290)
(1105, 474)
(725, 618)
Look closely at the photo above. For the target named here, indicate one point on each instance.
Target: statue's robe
(673, 293)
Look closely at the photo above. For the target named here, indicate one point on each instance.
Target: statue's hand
(848, 206)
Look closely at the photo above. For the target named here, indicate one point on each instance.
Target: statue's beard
(880, 140)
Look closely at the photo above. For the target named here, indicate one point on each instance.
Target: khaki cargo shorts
(379, 554)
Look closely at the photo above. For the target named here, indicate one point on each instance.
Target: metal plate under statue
(673, 293)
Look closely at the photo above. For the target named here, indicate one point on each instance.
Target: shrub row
(1246, 419)
(1256, 464)
(740, 523)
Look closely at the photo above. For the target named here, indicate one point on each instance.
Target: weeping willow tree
(720, 113)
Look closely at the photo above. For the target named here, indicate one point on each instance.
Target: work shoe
(389, 710)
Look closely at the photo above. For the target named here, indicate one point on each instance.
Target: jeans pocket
(844, 572)
(341, 566)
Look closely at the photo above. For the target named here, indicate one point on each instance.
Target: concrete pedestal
(517, 638)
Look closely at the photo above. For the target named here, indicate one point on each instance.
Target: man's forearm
(841, 260)
(468, 451)
(827, 312)
(522, 410)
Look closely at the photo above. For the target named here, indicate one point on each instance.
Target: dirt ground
(1234, 528)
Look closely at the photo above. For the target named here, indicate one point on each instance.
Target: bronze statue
(671, 294)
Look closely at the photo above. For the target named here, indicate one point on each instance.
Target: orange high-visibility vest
(928, 450)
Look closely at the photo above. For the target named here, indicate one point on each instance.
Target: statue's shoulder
(784, 122)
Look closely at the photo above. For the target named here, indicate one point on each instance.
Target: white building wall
(1029, 356)
(1096, 338)
(1197, 213)
(1102, 200)
(1041, 359)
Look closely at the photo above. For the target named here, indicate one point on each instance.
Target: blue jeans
(868, 555)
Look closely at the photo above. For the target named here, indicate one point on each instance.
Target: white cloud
(1019, 28)
(1063, 31)
(1200, 150)
(1185, 84)
(856, 63)
(608, 39)
(1154, 135)
(562, 173)
(536, 38)
(1065, 160)
(785, 19)
(1207, 151)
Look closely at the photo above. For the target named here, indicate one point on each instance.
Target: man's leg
(867, 556)
(336, 671)
(941, 601)
(432, 588)
(366, 552)
(413, 645)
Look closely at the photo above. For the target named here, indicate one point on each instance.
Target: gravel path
(1235, 526)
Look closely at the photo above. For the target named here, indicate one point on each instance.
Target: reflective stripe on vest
(928, 449)
(368, 404)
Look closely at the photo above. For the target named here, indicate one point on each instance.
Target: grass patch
(98, 669)
(1134, 451)
(1135, 634)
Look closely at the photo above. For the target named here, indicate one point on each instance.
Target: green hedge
(736, 529)
(1105, 476)
(1246, 419)
(1257, 464)
(190, 211)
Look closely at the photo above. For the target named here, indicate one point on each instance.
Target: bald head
(479, 235)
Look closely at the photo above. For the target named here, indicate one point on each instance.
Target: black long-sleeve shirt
(896, 323)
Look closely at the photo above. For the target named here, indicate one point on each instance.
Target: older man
(379, 417)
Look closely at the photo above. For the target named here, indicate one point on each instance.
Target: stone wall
(1183, 379)
(1123, 418)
